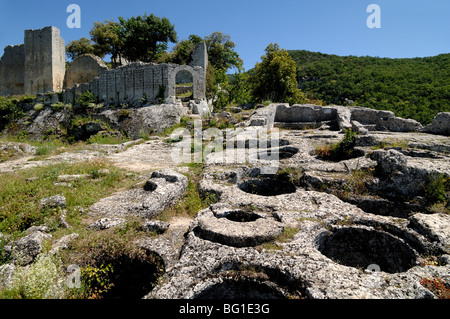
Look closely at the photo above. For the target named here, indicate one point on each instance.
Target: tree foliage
(10, 111)
(416, 88)
(107, 39)
(221, 53)
(182, 51)
(82, 46)
(141, 38)
(274, 78)
(145, 37)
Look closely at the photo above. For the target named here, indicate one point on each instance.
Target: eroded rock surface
(335, 249)
(356, 228)
(159, 192)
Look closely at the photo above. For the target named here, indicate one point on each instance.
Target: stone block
(440, 124)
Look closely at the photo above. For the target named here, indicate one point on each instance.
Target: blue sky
(409, 28)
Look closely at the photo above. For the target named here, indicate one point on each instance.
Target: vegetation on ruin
(436, 188)
(10, 111)
(437, 286)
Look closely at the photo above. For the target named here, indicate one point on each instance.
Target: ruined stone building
(38, 66)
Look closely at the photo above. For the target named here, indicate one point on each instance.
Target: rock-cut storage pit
(361, 247)
(237, 228)
(268, 186)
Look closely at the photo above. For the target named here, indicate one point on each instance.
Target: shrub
(343, 150)
(436, 187)
(86, 99)
(346, 146)
(43, 279)
(437, 287)
(9, 112)
(161, 92)
(94, 283)
(38, 107)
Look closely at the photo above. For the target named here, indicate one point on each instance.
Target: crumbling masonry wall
(84, 69)
(44, 61)
(12, 66)
(38, 67)
(138, 82)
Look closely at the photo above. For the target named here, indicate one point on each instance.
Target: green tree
(222, 57)
(145, 37)
(221, 53)
(274, 78)
(79, 47)
(183, 50)
(107, 39)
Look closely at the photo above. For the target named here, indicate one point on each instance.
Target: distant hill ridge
(417, 88)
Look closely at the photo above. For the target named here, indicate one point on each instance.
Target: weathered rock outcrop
(148, 119)
(236, 227)
(440, 124)
(304, 231)
(331, 255)
(400, 180)
(133, 121)
(200, 107)
(383, 120)
(27, 248)
(308, 116)
(159, 192)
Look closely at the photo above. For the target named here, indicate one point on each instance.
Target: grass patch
(44, 148)
(391, 143)
(19, 199)
(105, 139)
(436, 188)
(343, 150)
(285, 237)
(193, 201)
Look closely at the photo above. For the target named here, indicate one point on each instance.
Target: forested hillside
(415, 88)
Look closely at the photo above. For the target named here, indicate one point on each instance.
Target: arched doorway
(184, 85)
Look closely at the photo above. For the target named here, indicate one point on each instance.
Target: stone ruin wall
(138, 81)
(360, 119)
(304, 113)
(12, 70)
(38, 67)
(44, 61)
(84, 69)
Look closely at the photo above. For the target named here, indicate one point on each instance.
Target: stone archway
(184, 84)
(181, 74)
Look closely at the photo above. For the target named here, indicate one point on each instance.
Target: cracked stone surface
(338, 250)
(310, 239)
